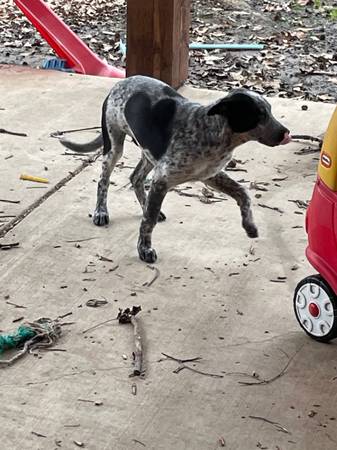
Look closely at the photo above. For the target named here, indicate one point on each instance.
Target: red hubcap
(313, 309)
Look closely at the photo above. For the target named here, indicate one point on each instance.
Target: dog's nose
(285, 138)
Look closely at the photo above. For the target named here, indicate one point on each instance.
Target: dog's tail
(83, 148)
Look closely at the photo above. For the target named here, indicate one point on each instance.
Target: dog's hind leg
(223, 183)
(138, 178)
(112, 151)
(158, 190)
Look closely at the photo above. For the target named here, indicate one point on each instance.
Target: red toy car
(315, 299)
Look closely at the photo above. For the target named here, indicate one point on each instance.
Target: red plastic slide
(65, 42)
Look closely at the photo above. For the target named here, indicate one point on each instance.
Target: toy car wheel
(315, 305)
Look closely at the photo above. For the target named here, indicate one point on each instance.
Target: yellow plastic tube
(31, 178)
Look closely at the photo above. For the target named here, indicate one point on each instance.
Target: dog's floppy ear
(151, 125)
(240, 109)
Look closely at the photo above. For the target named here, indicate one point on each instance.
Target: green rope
(8, 341)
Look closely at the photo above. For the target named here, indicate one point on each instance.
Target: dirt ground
(299, 59)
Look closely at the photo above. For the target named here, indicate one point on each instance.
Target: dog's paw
(101, 217)
(147, 254)
(161, 217)
(251, 230)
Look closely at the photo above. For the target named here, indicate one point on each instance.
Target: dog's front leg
(138, 178)
(223, 183)
(158, 190)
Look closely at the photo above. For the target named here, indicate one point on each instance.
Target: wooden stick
(138, 354)
(128, 316)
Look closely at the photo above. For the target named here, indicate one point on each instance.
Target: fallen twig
(276, 424)
(139, 442)
(300, 203)
(99, 324)
(185, 194)
(253, 375)
(235, 169)
(208, 374)
(181, 361)
(280, 178)
(276, 377)
(9, 201)
(65, 315)
(307, 151)
(182, 365)
(38, 434)
(204, 198)
(15, 305)
(81, 156)
(54, 349)
(9, 246)
(104, 258)
(18, 319)
(36, 187)
(274, 208)
(156, 275)
(129, 316)
(81, 240)
(85, 400)
(306, 137)
(58, 133)
(13, 133)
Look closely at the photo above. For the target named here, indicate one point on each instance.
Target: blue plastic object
(122, 47)
(199, 46)
(56, 64)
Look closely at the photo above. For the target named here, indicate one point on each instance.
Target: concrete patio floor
(214, 297)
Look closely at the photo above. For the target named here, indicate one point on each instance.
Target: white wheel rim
(314, 309)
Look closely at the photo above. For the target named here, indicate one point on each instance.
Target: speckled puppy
(181, 141)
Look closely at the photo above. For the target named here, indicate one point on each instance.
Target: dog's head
(249, 113)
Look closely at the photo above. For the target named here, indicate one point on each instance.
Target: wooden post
(158, 39)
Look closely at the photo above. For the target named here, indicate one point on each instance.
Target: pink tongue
(286, 139)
